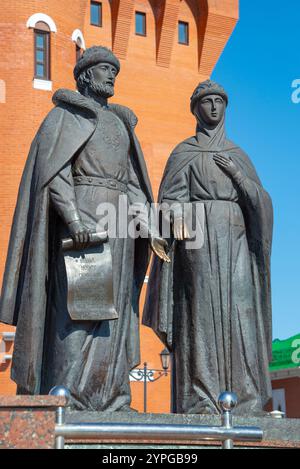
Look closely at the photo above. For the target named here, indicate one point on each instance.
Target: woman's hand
(227, 164)
(180, 229)
(159, 247)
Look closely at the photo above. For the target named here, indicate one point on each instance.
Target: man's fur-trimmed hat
(93, 56)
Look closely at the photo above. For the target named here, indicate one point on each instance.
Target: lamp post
(145, 374)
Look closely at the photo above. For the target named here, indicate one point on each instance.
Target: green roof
(286, 353)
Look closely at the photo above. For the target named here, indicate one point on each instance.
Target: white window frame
(279, 399)
(37, 17)
(78, 38)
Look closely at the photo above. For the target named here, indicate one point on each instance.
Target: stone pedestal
(278, 433)
(28, 422)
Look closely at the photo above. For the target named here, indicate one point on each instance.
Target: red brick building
(165, 47)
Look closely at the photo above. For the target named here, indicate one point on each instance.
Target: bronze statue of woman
(212, 305)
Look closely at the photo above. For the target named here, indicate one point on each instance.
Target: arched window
(42, 51)
(78, 39)
(42, 25)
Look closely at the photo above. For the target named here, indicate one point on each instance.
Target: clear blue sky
(257, 68)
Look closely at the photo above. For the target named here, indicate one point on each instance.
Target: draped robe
(211, 306)
(91, 358)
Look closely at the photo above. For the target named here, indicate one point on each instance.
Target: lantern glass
(165, 359)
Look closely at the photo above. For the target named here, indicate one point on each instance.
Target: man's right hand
(80, 233)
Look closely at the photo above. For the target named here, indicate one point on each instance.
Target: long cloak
(212, 306)
(26, 279)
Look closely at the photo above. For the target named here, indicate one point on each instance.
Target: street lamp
(145, 374)
(165, 358)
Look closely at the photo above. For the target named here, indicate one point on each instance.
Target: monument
(69, 331)
(211, 305)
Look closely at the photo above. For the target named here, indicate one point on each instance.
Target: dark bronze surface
(211, 305)
(85, 154)
(90, 279)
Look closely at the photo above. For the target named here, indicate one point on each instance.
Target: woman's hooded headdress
(209, 138)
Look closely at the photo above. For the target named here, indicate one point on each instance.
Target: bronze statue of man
(84, 154)
(212, 304)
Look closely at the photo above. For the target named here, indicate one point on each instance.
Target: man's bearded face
(103, 80)
(101, 89)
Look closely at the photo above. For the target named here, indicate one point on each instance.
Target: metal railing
(226, 433)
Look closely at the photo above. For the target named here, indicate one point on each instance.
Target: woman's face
(211, 109)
